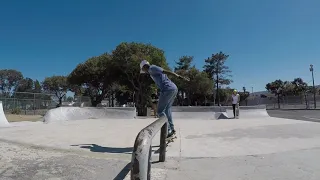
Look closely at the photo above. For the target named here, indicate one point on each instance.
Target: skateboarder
(235, 102)
(168, 90)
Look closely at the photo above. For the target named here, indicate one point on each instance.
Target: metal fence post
(34, 104)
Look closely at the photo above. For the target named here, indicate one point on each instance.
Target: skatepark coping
(141, 155)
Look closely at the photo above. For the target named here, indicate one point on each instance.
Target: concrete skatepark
(76, 144)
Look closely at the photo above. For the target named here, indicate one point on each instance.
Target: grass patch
(19, 118)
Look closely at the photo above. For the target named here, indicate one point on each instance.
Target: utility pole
(218, 95)
(314, 88)
(244, 94)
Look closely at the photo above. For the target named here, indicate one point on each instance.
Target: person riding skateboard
(168, 90)
(235, 102)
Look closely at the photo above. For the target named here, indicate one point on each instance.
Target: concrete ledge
(216, 112)
(78, 113)
(198, 109)
(211, 108)
(247, 107)
(194, 115)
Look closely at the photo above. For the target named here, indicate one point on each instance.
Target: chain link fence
(26, 103)
(305, 101)
(37, 103)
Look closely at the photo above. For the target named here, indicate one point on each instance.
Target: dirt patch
(18, 118)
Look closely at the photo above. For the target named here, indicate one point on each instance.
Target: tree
(288, 89)
(25, 89)
(244, 96)
(30, 91)
(127, 57)
(182, 67)
(216, 69)
(184, 63)
(299, 86)
(69, 98)
(28, 85)
(37, 86)
(225, 95)
(198, 88)
(123, 95)
(94, 78)
(9, 81)
(57, 85)
(42, 100)
(276, 88)
(115, 88)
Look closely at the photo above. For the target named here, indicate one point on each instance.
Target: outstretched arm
(175, 74)
(171, 73)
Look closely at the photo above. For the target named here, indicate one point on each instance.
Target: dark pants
(234, 109)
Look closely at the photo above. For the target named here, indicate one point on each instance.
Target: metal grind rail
(141, 155)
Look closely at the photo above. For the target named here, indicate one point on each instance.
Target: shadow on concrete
(101, 149)
(226, 118)
(156, 151)
(155, 162)
(124, 172)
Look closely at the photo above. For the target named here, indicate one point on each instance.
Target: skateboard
(171, 139)
(237, 111)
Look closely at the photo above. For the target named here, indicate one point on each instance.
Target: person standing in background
(235, 103)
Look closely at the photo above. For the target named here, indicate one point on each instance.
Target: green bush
(16, 111)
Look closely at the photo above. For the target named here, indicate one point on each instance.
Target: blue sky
(266, 40)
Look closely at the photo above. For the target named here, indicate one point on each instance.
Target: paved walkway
(305, 115)
(267, 148)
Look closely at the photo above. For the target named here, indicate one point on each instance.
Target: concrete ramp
(217, 112)
(3, 120)
(221, 115)
(250, 112)
(196, 112)
(81, 113)
(194, 115)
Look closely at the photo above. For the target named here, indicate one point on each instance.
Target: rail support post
(141, 155)
(163, 145)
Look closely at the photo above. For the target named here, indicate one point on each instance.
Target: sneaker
(172, 133)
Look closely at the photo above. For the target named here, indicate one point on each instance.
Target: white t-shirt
(235, 98)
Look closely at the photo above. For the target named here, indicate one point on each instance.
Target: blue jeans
(166, 100)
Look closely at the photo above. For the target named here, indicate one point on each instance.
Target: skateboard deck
(171, 139)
